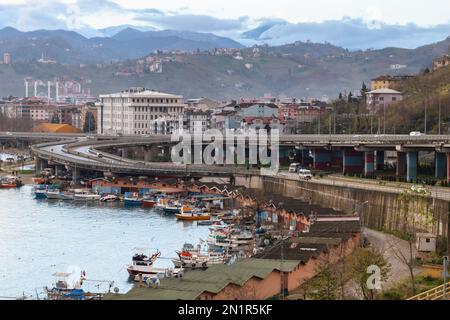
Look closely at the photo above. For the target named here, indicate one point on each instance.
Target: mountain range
(124, 43)
(112, 63)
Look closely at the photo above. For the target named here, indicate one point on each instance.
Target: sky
(231, 17)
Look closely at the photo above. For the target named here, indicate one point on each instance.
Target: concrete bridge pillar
(124, 153)
(401, 164)
(321, 159)
(440, 162)
(75, 175)
(353, 161)
(411, 165)
(369, 166)
(147, 154)
(41, 164)
(166, 150)
(57, 170)
(380, 160)
(336, 159)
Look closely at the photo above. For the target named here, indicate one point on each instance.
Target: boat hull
(171, 210)
(132, 203)
(148, 203)
(8, 186)
(40, 195)
(192, 218)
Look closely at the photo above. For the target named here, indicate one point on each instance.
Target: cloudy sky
(288, 19)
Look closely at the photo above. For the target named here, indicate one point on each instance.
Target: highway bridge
(351, 153)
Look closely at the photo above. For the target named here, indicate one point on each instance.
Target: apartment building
(136, 110)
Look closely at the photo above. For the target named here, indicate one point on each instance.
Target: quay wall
(384, 210)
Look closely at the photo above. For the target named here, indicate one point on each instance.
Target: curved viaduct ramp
(86, 153)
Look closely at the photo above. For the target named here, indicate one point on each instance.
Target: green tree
(358, 266)
(325, 283)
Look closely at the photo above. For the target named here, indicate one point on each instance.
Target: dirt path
(390, 244)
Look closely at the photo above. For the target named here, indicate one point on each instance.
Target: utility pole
(439, 116)
(318, 124)
(361, 209)
(282, 284)
(426, 114)
(334, 119)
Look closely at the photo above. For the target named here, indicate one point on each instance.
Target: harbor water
(40, 237)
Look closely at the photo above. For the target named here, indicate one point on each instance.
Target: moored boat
(149, 202)
(143, 264)
(189, 214)
(132, 199)
(53, 194)
(10, 182)
(109, 198)
(85, 195)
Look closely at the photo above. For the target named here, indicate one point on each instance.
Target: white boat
(197, 259)
(86, 195)
(53, 195)
(66, 195)
(109, 198)
(143, 264)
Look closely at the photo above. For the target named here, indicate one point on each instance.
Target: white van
(305, 174)
(294, 167)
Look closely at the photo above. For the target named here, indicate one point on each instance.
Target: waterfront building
(139, 111)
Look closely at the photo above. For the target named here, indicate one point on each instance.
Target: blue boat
(40, 191)
(132, 199)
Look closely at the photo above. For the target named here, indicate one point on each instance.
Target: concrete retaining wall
(384, 210)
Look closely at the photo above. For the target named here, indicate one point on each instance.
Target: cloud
(192, 22)
(351, 33)
(87, 17)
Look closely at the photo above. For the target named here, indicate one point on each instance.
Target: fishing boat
(40, 191)
(190, 257)
(53, 194)
(109, 198)
(190, 214)
(161, 203)
(132, 199)
(172, 208)
(10, 182)
(143, 264)
(67, 195)
(149, 202)
(63, 290)
(68, 286)
(85, 195)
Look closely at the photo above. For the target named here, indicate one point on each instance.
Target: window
(427, 240)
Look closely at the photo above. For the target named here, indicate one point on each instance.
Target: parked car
(415, 134)
(305, 174)
(294, 167)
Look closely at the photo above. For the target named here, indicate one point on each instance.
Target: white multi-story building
(136, 110)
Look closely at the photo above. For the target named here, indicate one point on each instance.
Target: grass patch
(402, 290)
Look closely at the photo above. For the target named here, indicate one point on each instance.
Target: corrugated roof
(213, 280)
